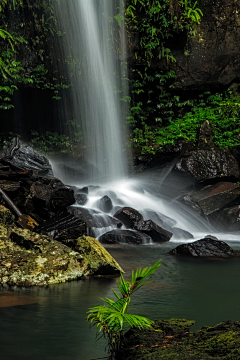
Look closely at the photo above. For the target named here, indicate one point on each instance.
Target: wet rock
(105, 204)
(206, 247)
(151, 229)
(209, 164)
(125, 237)
(6, 216)
(214, 197)
(83, 190)
(81, 199)
(94, 218)
(190, 203)
(62, 227)
(230, 218)
(128, 216)
(22, 157)
(181, 234)
(96, 259)
(160, 219)
(61, 199)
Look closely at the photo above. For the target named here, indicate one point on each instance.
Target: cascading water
(98, 59)
(91, 39)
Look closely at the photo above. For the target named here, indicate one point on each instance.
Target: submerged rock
(206, 247)
(105, 204)
(181, 234)
(125, 237)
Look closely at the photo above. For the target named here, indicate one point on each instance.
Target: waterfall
(90, 38)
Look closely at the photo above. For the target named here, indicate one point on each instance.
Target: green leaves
(112, 320)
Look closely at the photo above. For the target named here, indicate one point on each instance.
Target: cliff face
(212, 58)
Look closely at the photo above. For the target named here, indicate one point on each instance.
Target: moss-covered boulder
(172, 340)
(96, 259)
(6, 217)
(28, 258)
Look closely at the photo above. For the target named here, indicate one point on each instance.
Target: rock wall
(212, 58)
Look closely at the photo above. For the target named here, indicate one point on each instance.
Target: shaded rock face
(206, 247)
(172, 339)
(214, 197)
(209, 164)
(81, 199)
(24, 157)
(230, 218)
(213, 59)
(30, 259)
(124, 236)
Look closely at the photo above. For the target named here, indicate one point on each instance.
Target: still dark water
(50, 323)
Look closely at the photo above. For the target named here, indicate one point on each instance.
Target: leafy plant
(113, 320)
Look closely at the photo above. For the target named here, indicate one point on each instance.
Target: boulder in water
(181, 234)
(206, 247)
(160, 219)
(128, 216)
(151, 229)
(105, 204)
(96, 259)
(124, 236)
(230, 218)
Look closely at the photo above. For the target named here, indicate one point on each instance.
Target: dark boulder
(213, 197)
(181, 234)
(209, 164)
(128, 216)
(62, 227)
(83, 190)
(206, 247)
(23, 157)
(151, 229)
(61, 199)
(105, 204)
(124, 236)
(81, 198)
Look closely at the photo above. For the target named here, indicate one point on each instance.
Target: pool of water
(50, 322)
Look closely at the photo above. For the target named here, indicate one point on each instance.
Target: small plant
(113, 320)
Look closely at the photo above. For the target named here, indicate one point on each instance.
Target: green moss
(221, 341)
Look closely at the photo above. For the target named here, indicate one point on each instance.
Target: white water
(91, 32)
(96, 99)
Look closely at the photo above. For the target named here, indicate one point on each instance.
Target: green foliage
(36, 23)
(52, 143)
(221, 110)
(113, 320)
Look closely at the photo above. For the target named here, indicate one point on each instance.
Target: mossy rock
(6, 217)
(28, 258)
(96, 259)
(172, 340)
